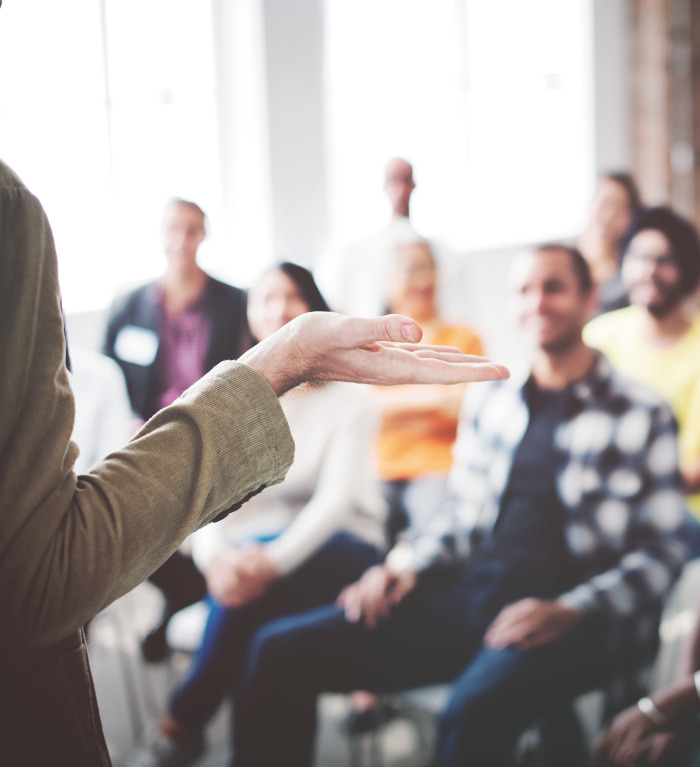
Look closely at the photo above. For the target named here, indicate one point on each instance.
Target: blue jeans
(432, 637)
(217, 667)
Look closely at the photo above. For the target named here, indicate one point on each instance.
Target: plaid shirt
(617, 479)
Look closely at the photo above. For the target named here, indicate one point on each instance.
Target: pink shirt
(183, 345)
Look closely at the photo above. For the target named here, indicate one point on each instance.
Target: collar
(590, 386)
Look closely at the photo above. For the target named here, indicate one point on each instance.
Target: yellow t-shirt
(673, 371)
(419, 423)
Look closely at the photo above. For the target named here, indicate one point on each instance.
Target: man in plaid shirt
(543, 576)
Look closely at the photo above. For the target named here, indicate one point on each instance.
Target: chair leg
(372, 746)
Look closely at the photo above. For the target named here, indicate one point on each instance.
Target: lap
(335, 655)
(533, 682)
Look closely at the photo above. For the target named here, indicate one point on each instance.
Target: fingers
(394, 366)
(403, 585)
(512, 625)
(349, 601)
(367, 599)
(427, 348)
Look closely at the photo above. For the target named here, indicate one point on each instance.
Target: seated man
(656, 340)
(544, 574)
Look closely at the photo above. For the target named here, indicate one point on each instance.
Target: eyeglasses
(663, 260)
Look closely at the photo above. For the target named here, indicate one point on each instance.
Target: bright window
(490, 100)
(107, 109)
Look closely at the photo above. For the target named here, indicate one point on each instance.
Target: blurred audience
(656, 340)
(419, 424)
(165, 335)
(542, 576)
(292, 547)
(355, 282)
(615, 206)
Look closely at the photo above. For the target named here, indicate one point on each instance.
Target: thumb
(396, 327)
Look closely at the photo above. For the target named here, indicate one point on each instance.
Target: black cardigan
(230, 336)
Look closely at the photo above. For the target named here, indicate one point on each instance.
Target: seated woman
(419, 423)
(613, 211)
(294, 546)
(418, 427)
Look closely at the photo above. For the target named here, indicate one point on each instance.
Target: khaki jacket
(69, 546)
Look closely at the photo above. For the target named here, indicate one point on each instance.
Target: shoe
(154, 646)
(371, 719)
(157, 750)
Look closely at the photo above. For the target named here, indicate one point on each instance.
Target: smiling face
(182, 231)
(273, 302)
(611, 210)
(651, 274)
(548, 301)
(413, 281)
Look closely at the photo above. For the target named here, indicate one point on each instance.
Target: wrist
(400, 559)
(269, 570)
(651, 711)
(267, 364)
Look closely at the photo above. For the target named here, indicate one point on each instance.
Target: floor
(132, 694)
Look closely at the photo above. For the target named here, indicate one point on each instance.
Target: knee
(271, 652)
(471, 719)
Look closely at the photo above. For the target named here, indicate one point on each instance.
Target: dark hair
(683, 238)
(305, 284)
(626, 181)
(579, 263)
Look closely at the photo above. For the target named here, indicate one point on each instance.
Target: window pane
(496, 117)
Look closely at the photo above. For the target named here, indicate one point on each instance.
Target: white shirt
(355, 283)
(330, 487)
(103, 417)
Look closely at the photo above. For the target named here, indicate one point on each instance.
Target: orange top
(419, 423)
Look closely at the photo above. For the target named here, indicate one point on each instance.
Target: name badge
(136, 345)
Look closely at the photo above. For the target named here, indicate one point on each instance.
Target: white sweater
(330, 487)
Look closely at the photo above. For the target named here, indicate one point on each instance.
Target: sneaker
(157, 750)
(154, 646)
(370, 719)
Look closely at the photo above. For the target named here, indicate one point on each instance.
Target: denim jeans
(217, 667)
(432, 637)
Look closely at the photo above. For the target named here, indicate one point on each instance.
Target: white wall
(612, 83)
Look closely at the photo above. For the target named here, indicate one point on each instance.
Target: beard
(670, 296)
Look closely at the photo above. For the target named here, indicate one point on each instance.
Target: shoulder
(225, 291)
(460, 336)
(10, 181)
(134, 298)
(490, 402)
(19, 204)
(603, 325)
(619, 395)
(694, 331)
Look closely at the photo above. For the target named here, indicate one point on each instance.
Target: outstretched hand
(323, 346)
